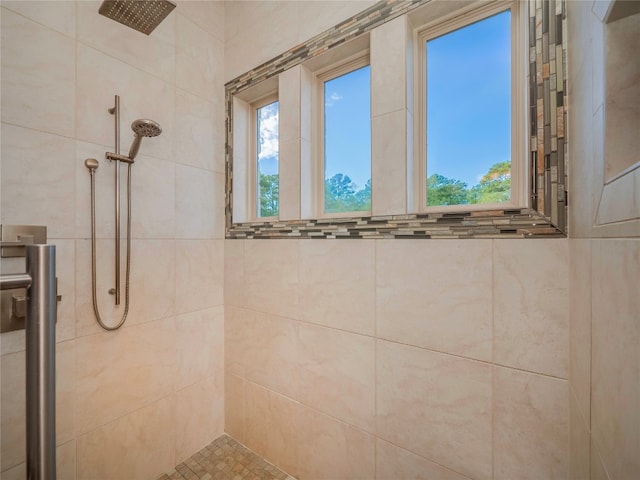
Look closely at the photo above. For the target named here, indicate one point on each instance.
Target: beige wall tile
(199, 346)
(33, 192)
(99, 78)
(38, 76)
(389, 58)
(199, 59)
(580, 322)
(195, 132)
(153, 194)
(152, 283)
(199, 416)
(60, 16)
(234, 411)
(199, 274)
(337, 374)
(114, 450)
(66, 275)
(531, 422)
(350, 450)
(389, 162)
(119, 372)
(615, 363)
(154, 54)
(579, 440)
(289, 179)
(65, 464)
(338, 284)
(395, 463)
(195, 196)
(234, 272)
(207, 15)
(531, 305)
(236, 323)
(271, 358)
(272, 427)
(436, 405)
(271, 277)
(13, 401)
(436, 294)
(598, 470)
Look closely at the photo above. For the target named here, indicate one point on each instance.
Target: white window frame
(519, 102)
(347, 65)
(253, 183)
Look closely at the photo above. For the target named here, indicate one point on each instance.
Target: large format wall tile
(33, 192)
(194, 127)
(234, 272)
(271, 277)
(38, 76)
(199, 416)
(99, 78)
(272, 427)
(337, 374)
(580, 322)
(60, 16)
(395, 463)
(12, 412)
(138, 445)
(199, 274)
(579, 441)
(615, 391)
(199, 345)
(436, 405)
(119, 372)
(531, 305)
(271, 358)
(234, 407)
(153, 54)
(436, 295)
(195, 197)
(531, 426)
(337, 284)
(350, 450)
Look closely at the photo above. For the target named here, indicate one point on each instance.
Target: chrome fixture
(141, 15)
(141, 128)
(40, 325)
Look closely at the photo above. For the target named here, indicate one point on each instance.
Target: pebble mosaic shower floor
(225, 459)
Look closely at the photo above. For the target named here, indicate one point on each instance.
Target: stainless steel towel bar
(40, 327)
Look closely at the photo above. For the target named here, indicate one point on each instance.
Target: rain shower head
(142, 128)
(141, 15)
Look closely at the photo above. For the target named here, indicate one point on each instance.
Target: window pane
(347, 142)
(267, 143)
(469, 114)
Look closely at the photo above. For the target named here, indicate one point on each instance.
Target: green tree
(269, 195)
(446, 191)
(339, 192)
(494, 186)
(363, 198)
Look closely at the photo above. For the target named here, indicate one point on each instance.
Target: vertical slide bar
(117, 149)
(40, 326)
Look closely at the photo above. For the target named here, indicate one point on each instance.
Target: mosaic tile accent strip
(548, 103)
(225, 459)
(548, 142)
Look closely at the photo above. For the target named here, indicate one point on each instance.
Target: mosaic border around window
(548, 143)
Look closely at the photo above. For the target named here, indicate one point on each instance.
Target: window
(266, 186)
(472, 130)
(344, 144)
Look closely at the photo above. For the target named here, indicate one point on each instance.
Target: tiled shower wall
(131, 403)
(391, 359)
(604, 263)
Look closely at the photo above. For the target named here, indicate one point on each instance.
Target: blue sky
(468, 107)
(469, 99)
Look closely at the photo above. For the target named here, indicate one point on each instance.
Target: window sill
(512, 223)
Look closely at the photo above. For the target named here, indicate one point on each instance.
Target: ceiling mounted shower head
(141, 15)
(143, 127)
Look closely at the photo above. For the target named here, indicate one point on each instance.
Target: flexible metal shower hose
(93, 252)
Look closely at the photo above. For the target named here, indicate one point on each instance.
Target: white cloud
(331, 99)
(268, 132)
